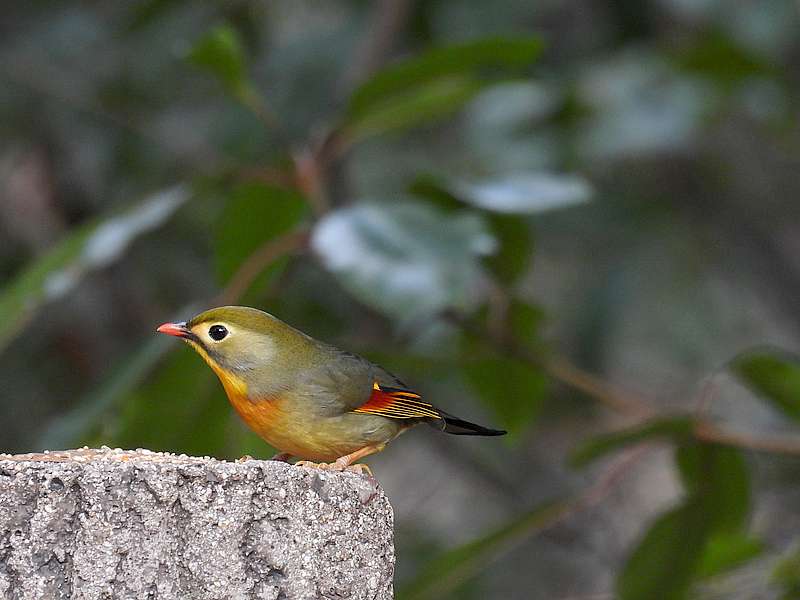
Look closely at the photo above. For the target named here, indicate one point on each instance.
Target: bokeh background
(575, 220)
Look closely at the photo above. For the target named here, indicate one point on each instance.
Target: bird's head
(244, 346)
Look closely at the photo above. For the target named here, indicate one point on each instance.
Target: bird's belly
(309, 436)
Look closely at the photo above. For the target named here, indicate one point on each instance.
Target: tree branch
(625, 403)
(564, 371)
(264, 256)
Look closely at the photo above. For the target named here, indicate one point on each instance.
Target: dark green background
(574, 220)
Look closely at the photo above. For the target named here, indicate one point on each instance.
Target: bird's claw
(358, 468)
(310, 465)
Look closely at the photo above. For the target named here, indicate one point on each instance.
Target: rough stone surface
(102, 524)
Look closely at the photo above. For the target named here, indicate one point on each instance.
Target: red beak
(176, 329)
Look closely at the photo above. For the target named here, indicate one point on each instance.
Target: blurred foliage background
(575, 220)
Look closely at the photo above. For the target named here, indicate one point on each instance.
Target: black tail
(456, 426)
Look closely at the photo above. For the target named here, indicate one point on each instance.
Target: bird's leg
(282, 457)
(345, 463)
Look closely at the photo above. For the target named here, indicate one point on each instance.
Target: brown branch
(264, 256)
(310, 165)
(317, 164)
(708, 432)
(558, 368)
(567, 373)
(622, 402)
(258, 105)
(704, 430)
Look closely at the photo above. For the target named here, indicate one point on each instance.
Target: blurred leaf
(254, 214)
(516, 247)
(525, 321)
(507, 109)
(182, 408)
(432, 84)
(719, 474)
(69, 430)
(452, 568)
(717, 56)
(666, 560)
(677, 428)
(419, 105)
(786, 575)
(148, 11)
(405, 258)
(427, 187)
(640, 105)
(774, 378)
(524, 193)
(439, 62)
(514, 234)
(727, 551)
(511, 126)
(703, 536)
(514, 390)
(85, 249)
(221, 53)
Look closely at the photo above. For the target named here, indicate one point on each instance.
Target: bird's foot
(360, 469)
(337, 465)
(311, 465)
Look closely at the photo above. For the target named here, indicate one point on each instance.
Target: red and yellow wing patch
(397, 403)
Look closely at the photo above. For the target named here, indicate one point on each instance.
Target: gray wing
(341, 381)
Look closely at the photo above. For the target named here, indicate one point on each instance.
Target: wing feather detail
(397, 403)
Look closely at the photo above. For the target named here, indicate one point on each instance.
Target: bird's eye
(217, 332)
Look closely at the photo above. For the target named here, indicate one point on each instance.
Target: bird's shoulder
(344, 378)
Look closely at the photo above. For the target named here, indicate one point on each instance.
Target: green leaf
(427, 187)
(85, 249)
(439, 62)
(221, 53)
(701, 537)
(405, 258)
(666, 560)
(720, 476)
(182, 409)
(446, 572)
(516, 247)
(716, 56)
(435, 83)
(677, 428)
(514, 390)
(70, 430)
(414, 107)
(786, 575)
(524, 192)
(525, 320)
(724, 552)
(254, 214)
(774, 378)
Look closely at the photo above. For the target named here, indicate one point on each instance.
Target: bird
(311, 401)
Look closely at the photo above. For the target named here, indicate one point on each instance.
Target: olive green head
(241, 339)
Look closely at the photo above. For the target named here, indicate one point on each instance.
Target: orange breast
(259, 415)
(287, 429)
